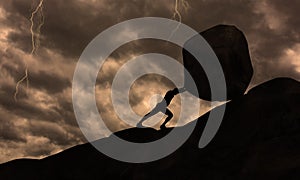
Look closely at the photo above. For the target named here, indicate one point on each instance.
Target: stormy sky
(42, 122)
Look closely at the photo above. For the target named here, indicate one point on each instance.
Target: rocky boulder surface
(231, 48)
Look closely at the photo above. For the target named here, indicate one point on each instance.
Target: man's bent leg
(151, 113)
(169, 117)
(140, 123)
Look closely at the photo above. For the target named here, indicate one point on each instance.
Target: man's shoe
(162, 127)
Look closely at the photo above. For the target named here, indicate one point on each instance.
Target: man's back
(170, 95)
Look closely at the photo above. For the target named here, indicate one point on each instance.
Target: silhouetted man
(162, 107)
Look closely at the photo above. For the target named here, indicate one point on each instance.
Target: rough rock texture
(259, 138)
(231, 48)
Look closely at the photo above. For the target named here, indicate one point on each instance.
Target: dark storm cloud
(139, 47)
(285, 36)
(8, 131)
(17, 18)
(53, 131)
(66, 112)
(49, 82)
(23, 108)
(27, 110)
(291, 10)
(70, 25)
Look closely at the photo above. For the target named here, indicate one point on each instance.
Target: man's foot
(140, 125)
(163, 126)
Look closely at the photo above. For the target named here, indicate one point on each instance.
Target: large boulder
(231, 48)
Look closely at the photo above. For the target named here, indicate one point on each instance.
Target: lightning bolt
(35, 37)
(35, 41)
(177, 14)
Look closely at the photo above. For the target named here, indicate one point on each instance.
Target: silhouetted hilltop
(259, 138)
(277, 85)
